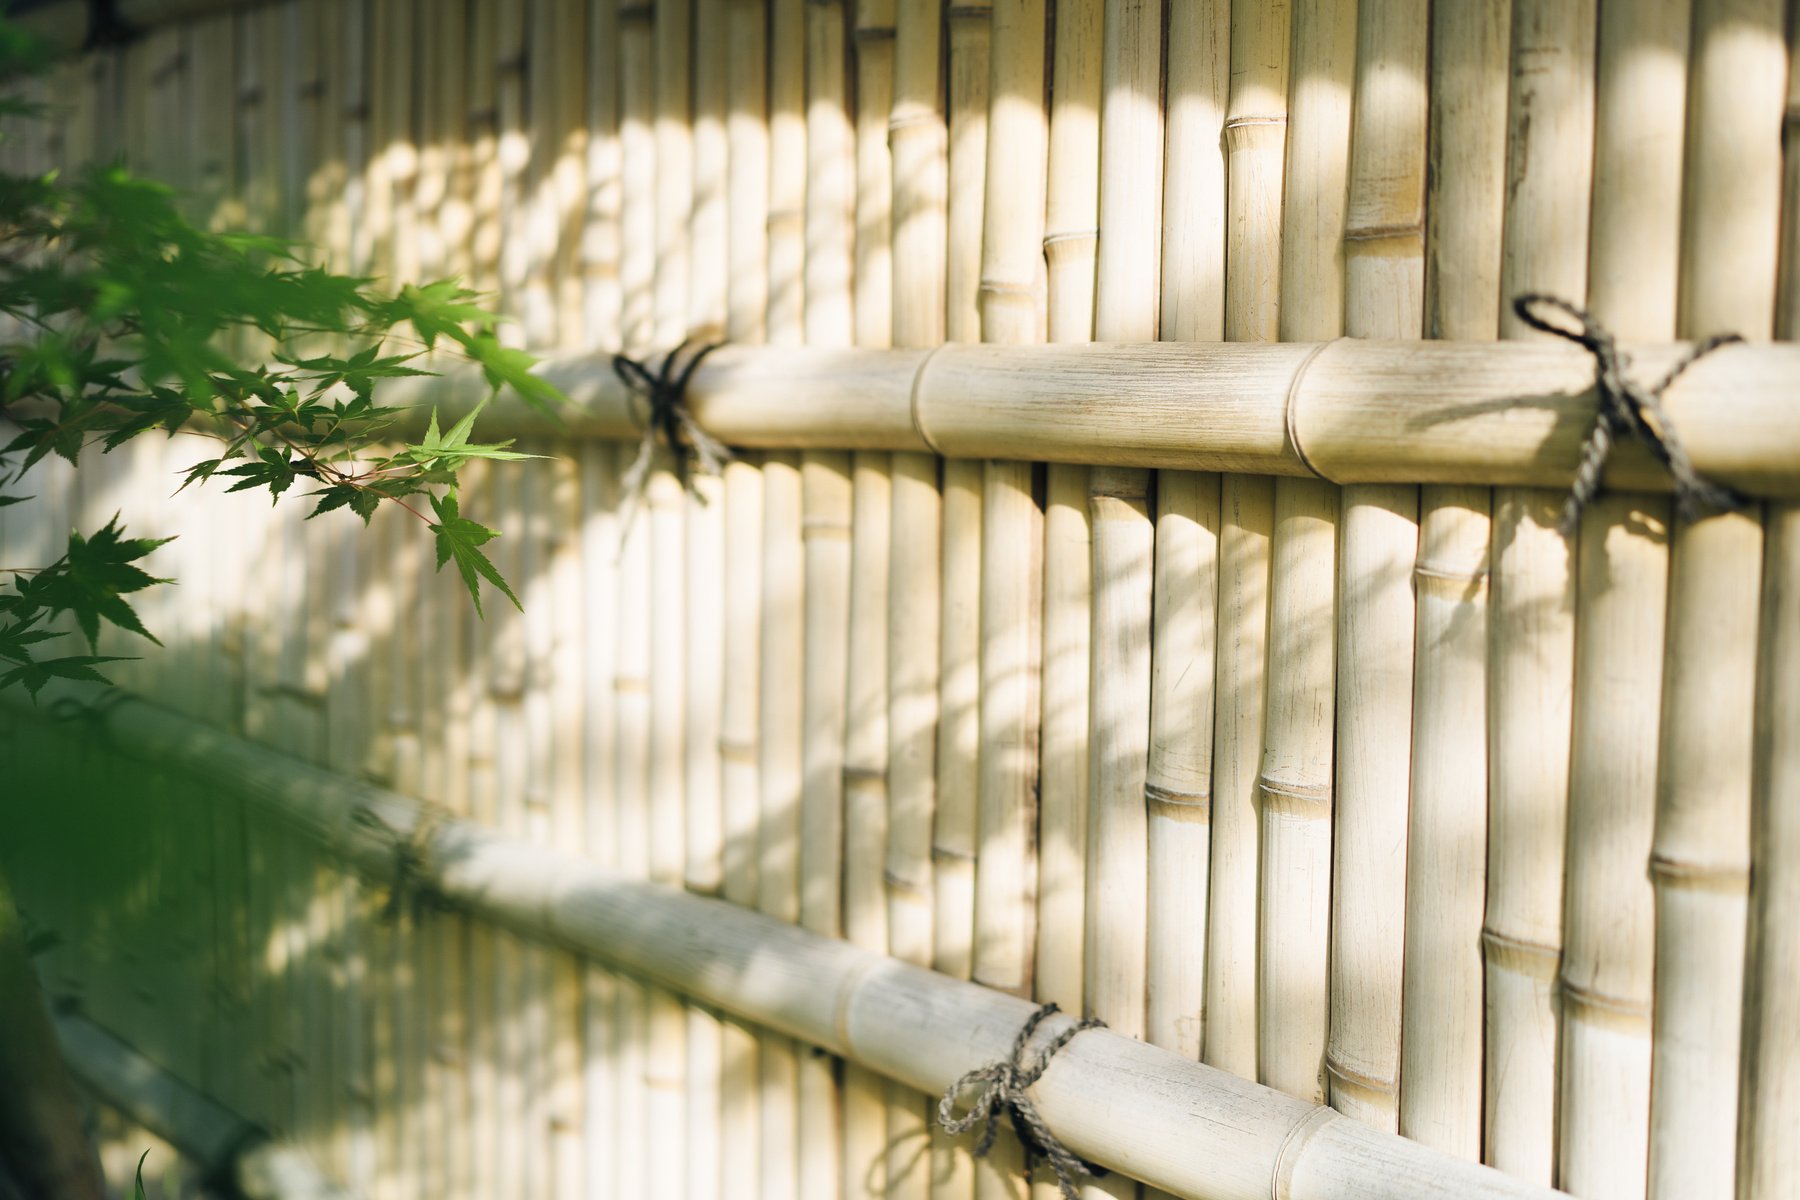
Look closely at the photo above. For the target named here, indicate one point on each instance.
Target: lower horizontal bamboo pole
(227, 1149)
(1352, 411)
(1190, 1129)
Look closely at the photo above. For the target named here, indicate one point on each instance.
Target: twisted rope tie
(666, 420)
(1628, 407)
(1002, 1084)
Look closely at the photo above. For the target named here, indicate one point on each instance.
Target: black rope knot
(1628, 407)
(667, 420)
(1002, 1085)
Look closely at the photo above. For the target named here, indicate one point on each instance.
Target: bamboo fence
(1139, 585)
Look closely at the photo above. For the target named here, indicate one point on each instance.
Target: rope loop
(666, 418)
(1627, 407)
(1002, 1086)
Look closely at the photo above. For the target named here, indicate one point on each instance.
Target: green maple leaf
(93, 578)
(449, 451)
(461, 539)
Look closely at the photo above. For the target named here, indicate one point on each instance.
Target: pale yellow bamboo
(484, 154)
(1295, 782)
(671, 37)
(1622, 565)
(1130, 169)
(1072, 213)
(1375, 633)
(569, 181)
(1194, 209)
(1384, 236)
(709, 265)
(782, 764)
(1254, 139)
(1607, 924)
(1246, 523)
(536, 224)
(955, 831)
(601, 233)
(830, 196)
(1010, 302)
(787, 171)
(1441, 1059)
(1070, 240)
(1701, 864)
(665, 1047)
(706, 604)
(1256, 118)
(637, 149)
(739, 725)
(1531, 633)
(866, 797)
(1441, 1103)
(1201, 1133)
(1178, 780)
(747, 198)
(866, 794)
(1770, 1059)
(512, 159)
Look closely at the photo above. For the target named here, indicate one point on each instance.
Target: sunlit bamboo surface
(1388, 796)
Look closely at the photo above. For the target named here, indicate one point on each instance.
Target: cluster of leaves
(122, 318)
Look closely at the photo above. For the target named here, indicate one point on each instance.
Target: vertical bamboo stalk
(665, 1066)
(1255, 150)
(535, 225)
(1531, 633)
(1255, 136)
(918, 140)
(1295, 781)
(1011, 310)
(631, 687)
(1441, 1060)
(1770, 1059)
(1072, 203)
(708, 1068)
(1070, 241)
(1194, 207)
(1446, 867)
(866, 795)
(601, 241)
(1131, 139)
(1701, 863)
(637, 149)
(1384, 239)
(602, 583)
(1178, 782)
(782, 753)
(746, 232)
(787, 171)
(671, 29)
(739, 727)
(1622, 574)
(955, 834)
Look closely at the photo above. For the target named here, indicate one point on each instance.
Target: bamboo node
(1002, 1084)
(951, 854)
(737, 752)
(1540, 959)
(1341, 1071)
(864, 775)
(896, 882)
(918, 418)
(1174, 797)
(1699, 876)
(1628, 407)
(1288, 1156)
(1313, 799)
(1597, 1001)
(1290, 407)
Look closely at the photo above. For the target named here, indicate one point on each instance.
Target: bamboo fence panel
(375, 1045)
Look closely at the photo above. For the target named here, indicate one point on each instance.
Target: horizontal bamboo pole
(1359, 411)
(1207, 1135)
(224, 1146)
